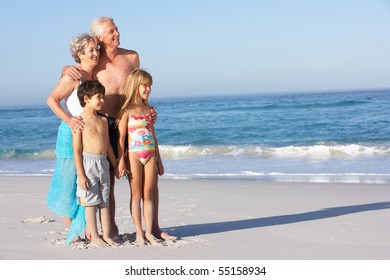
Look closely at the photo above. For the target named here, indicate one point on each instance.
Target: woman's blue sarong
(61, 198)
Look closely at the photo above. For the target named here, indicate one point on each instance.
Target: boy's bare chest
(93, 129)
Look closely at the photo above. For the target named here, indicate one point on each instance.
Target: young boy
(91, 148)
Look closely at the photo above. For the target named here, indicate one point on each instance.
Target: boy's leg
(90, 216)
(106, 225)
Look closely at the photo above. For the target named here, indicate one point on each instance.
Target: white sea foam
(6, 154)
(320, 151)
(310, 152)
(286, 177)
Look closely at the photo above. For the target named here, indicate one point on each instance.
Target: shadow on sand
(217, 227)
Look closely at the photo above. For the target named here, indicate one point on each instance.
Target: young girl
(134, 120)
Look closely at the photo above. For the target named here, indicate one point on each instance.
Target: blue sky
(205, 47)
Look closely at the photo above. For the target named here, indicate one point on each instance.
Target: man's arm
(71, 71)
(153, 113)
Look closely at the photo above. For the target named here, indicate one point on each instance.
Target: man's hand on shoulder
(72, 72)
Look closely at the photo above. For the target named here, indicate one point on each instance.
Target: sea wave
(367, 178)
(27, 154)
(320, 151)
(171, 152)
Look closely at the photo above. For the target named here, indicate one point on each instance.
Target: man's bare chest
(113, 79)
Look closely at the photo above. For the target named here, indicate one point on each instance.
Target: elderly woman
(61, 198)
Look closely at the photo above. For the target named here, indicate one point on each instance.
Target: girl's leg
(136, 180)
(90, 216)
(149, 185)
(157, 232)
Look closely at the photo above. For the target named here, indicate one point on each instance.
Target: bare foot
(166, 236)
(87, 235)
(139, 241)
(152, 239)
(77, 239)
(111, 242)
(98, 242)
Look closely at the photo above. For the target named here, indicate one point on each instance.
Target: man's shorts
(113, 134)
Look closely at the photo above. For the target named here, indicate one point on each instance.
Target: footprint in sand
(39, 220)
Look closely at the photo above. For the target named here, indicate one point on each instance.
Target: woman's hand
(76, 123)
(153, 113)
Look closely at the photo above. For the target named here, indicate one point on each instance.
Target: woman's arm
(82, 181)
(62, 90)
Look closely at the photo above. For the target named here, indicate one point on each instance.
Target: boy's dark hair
(89, 88)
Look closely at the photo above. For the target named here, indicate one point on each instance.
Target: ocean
(297, 137)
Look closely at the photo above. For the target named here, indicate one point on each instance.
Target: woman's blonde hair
(136, 78)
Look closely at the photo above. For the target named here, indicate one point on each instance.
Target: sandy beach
(214, 220)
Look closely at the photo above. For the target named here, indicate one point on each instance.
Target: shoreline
(214, 220)
(328, 178)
